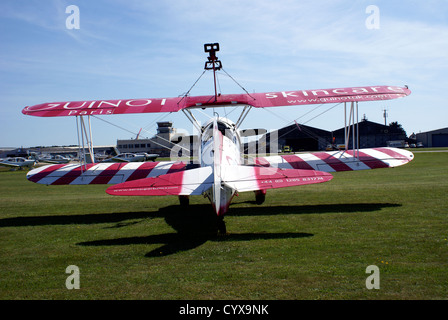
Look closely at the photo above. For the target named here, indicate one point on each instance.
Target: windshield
(223, 127)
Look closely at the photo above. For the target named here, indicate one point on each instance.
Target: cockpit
(225, 126)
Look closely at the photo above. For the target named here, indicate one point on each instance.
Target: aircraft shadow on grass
(195, 224)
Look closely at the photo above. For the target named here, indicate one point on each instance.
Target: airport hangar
(434, 138)
(304, 138)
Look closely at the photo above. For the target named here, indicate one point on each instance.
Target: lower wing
(101, 173)
(334, 161)
(11, 165)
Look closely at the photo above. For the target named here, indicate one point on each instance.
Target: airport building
(373, 135)
(433, 139)
(160, 144)
(13, 152)
(304, 138)
(297, 138)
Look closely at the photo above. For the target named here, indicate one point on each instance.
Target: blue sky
(154, 49)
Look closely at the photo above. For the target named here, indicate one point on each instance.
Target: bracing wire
(188, 92)
(237, 83)
(115, 125)
(293, 121)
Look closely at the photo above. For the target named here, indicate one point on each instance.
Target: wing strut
(243, 116)
(80, 126)
(192, 119)
(352, 123)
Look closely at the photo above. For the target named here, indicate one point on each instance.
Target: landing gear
(184, 201)
(260, 196)
(221, 226)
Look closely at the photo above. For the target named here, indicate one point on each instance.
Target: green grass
(310, 242)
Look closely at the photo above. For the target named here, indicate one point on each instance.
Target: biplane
(220, 170)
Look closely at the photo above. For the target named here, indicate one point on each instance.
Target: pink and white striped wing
(248, 178)
(189, 182)
(101, 173)
(334, 161)
(257, 100)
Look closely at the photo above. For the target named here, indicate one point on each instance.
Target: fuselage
(221, 150)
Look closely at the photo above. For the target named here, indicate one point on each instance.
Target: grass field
(310, 242)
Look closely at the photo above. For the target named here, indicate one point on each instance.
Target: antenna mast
(213, 63)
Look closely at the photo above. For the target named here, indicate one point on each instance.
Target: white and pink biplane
(221, 171)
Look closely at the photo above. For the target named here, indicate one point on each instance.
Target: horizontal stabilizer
(246, 178)
(190, 182)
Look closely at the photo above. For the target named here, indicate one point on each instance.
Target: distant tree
(395, 127)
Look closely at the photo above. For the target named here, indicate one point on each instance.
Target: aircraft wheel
(260, 196)
(221, 226)
(184, 201)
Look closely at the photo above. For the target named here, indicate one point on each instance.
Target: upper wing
(103, 107)
(257, 100)
(304, 97)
